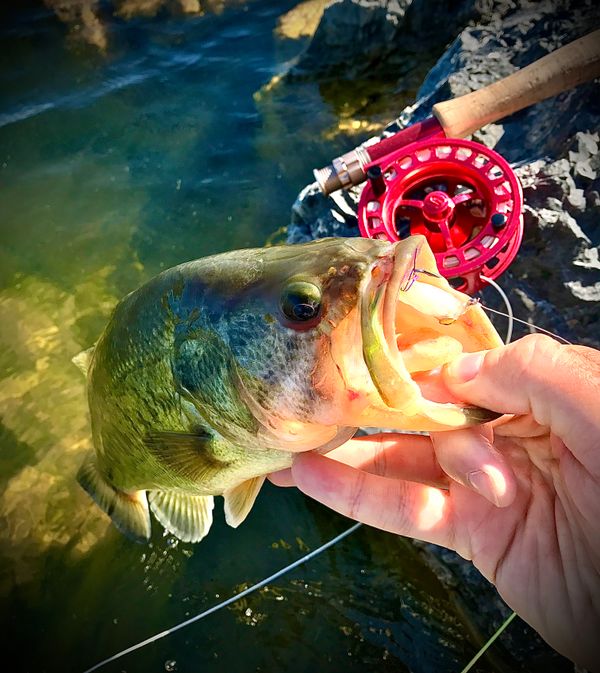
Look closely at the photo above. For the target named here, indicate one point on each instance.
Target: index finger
(398, 506)
(393, 455)
(388, 454)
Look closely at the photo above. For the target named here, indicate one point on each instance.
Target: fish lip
(402, 277)
(390, 272)
(396, 272)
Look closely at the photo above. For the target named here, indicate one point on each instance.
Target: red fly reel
(463, 197)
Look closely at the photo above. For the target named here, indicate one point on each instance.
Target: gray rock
(313, 216)
(483, 53)
(554, 282)
(374, 37)
(554, 145)
(585, 157)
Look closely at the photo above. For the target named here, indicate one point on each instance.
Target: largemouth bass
(215, 372)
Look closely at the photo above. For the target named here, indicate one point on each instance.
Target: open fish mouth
(413, 322)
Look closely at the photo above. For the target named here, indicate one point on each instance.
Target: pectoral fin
(239, 500)
(188, 517)
(186, 454)
(82, 360)
(128, 511)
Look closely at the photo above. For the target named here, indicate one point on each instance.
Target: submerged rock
(302, 20)
(88, 20)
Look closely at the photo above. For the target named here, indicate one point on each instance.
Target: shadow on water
(112, 168)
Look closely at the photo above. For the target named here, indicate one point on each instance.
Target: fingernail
(482, 483)
(465, 367)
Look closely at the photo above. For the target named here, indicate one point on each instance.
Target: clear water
(112, 168)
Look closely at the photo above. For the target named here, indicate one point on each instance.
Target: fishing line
(230, 600)
(509, 314)
(485, 648)
(509, 332)
(529, 324)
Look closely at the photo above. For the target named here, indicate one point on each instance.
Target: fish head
(335, 334)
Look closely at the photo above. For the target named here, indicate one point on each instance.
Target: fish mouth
(413, 323)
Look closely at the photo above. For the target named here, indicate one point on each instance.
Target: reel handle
(563, 69)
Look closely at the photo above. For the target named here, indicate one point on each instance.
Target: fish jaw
(412, 324)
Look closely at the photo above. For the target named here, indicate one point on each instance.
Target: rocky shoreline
(554, 282)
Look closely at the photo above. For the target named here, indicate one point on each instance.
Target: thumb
(558, 385)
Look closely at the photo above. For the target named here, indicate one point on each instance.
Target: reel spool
(463, 197)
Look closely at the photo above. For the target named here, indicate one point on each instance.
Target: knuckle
(543, 354)
(522, 366)
(379, 458)
(356, 495)
(583, 365)
(533, 352)
(399, 508)
(538, 343)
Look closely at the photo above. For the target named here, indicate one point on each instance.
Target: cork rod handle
(563, 69)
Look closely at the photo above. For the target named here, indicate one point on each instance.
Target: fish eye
(301, 301)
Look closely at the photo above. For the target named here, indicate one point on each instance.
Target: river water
(112, 167)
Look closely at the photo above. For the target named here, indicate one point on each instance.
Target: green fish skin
(216, 371)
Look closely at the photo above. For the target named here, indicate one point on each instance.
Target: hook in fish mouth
(413, 322)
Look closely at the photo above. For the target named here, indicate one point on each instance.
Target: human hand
(520, 497)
